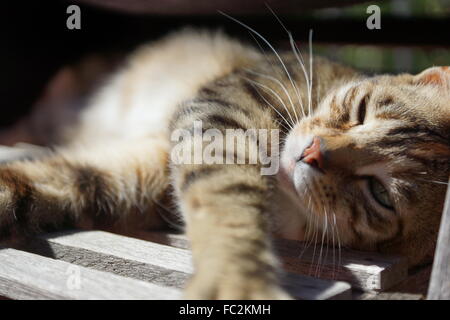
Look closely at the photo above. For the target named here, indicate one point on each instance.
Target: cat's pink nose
(312, 155)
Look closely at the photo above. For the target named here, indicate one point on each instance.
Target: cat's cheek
(295, 228)
(297, 234)
(302, 234)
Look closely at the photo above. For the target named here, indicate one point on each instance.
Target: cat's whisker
(338, 240)
(282, 87)
(334, 250)
(273, 107)
(433, 181)
(310, 70)
(298, 55)
(308, 236)
(315, 236)
(317, 94)
(316, 233)
(302, 65)
(327, 235)
(271, 48)
(299, 58)
(324, 232)
(274, 93)
(285, 130)
(307, 243)
(319, 259)
(333, 231)
(275, 70)
(301, 61)
(310, 228)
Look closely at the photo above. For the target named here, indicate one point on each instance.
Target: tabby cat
(363, 159)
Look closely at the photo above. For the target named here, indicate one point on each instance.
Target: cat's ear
(437, 76)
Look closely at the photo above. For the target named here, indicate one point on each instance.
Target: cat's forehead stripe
(342, 92)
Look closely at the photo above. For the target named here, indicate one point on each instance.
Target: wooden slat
(125, 256)
(388, 296)
(440, 275)
(363, 270)
(417, 282)
(414, 287)
(21, 151)
(309, 288)
(156, 262)
(28, 276)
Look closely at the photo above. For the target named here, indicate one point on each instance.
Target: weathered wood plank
(121, 255)
(414, 287)
(440, 275)
(114, 245)
(25, 275)
(387, 296)
(417, 282)
(21, 151)
(363, 270)
(309, 288)
(156, 263)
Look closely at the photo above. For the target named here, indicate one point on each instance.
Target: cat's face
(370, 166)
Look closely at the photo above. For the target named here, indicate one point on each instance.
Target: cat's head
(374, 159)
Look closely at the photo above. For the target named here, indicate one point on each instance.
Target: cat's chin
(289, 212)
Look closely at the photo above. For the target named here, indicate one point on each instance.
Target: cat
(364, 159)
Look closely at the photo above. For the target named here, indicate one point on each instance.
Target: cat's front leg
(228, 225)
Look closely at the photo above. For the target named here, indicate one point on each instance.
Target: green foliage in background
(409, 8)
(378, 59)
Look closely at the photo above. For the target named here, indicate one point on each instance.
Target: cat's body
(115, 163)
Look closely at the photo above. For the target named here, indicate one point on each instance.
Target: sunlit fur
(112, 167)
(404, 142)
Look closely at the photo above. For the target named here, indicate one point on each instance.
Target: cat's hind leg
(106, 186)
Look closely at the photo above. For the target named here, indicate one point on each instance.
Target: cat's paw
(234, 288)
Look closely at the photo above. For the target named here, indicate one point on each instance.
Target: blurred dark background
(35, 41)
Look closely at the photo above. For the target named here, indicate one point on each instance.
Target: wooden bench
(102, 265)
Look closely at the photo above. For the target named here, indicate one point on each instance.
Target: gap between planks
(157, 263)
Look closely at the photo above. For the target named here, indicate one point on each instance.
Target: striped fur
(113, 170)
